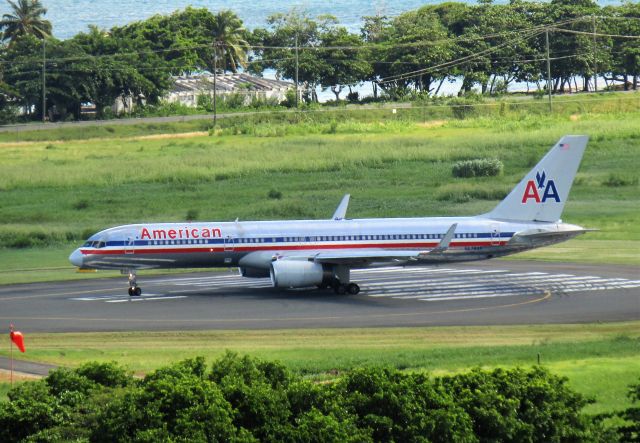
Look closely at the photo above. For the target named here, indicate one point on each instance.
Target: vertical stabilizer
(541, 195)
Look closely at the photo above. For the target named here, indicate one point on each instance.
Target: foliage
(246, 399)
(485, 47)
(25, 19)
(630, 430)
(483, 167)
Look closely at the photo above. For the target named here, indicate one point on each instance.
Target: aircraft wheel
(353, 288)
(340, 289)
(137, 291)
(130, 292)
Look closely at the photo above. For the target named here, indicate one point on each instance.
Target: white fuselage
(256, 244)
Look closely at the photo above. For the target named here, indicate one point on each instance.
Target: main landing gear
(134, 289)
(341, 284)
(342, 289)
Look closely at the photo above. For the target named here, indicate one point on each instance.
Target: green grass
(599, 359)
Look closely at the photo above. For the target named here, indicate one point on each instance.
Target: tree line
(244, 399)
(483, 46)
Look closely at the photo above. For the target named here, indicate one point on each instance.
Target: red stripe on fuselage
(153, 249)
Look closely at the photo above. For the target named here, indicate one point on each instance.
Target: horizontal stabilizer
(541, 237)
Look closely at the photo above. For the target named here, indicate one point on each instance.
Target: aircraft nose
(76, 258)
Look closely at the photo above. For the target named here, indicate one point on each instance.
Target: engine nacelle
(254, 272)
(297, 274)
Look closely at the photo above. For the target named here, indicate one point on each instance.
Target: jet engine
(298, 274)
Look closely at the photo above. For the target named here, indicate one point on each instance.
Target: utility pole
(215, 78)
(546, 35)
(595, 58)
(297, 93)
(44, 80)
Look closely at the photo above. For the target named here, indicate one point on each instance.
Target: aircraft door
(229, 243)
(129, 244)
(495, 235)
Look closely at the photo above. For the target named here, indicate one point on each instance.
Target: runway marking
(440, 284)
(120, 298)
(132, 299)
(420, 284)
(449, 285)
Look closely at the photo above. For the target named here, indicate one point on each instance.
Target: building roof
(227, 83)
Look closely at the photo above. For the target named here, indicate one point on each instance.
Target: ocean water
(72, 16)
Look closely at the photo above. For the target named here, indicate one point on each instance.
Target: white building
(187, 89)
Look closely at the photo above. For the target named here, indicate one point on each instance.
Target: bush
(616, 181)
(80, 205)
(246, 399)
(276, 195)
(484, 167)
(192, 214)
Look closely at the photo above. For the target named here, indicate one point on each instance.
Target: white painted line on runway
(132, 299)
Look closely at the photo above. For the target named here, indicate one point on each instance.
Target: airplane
(321, 253)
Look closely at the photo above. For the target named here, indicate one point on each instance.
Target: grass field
(599, 359)
(55, 193)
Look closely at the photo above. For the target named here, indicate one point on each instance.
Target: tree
(230, 44)
(344, 66)
(26, 19)
(121, 67)
(415, 41)
(290, 31)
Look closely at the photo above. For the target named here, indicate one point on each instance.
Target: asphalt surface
(482, 293)
(26, 367)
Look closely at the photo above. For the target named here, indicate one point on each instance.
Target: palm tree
(229, 43)
(25, 19)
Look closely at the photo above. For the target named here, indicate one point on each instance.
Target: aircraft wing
(360, 257)
(356, 257)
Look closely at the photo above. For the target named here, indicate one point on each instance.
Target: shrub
(192, 214)
(80, 205)
(246, 399)
(485, 167)
(616, 181)
(276, 195)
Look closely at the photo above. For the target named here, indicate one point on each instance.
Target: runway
(482, 293)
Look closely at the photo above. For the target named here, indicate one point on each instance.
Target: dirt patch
(574, 117)
(133, 138)
(5, 376)
(432, 124)
(165, 136)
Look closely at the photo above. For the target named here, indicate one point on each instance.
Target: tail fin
(541, 195)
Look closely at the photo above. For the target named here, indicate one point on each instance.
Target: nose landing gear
(134, 289)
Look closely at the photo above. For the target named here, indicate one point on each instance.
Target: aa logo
(541, 186)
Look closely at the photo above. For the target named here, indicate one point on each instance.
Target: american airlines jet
(307, 253)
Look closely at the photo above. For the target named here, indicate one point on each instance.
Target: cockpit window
(94, 244)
